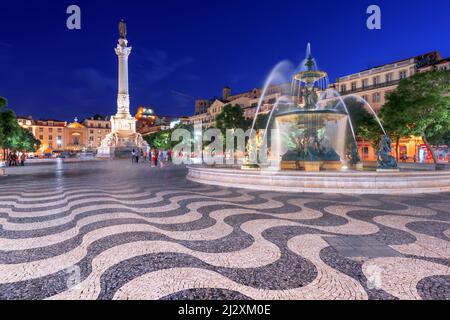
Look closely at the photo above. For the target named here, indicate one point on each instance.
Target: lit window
(376, 97)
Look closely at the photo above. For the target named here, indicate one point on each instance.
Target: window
(366, 98)
(376, 81)
(91, 131)
(50, 129)
(41, 129)
(353, 86)
(389, 77)
(50, 137)
(402, 75)
(41, 137)
(376, 97)
(76, 140)
(343, 88)
(59, 130)
(366, 151)
(365, 83)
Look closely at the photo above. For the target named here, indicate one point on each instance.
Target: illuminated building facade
(59, 136)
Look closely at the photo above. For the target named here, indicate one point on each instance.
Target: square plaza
(126, 175)
(113, 230)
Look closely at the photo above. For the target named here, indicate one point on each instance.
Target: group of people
(15, 160)
(157, 158)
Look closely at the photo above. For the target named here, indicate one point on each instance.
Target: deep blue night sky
(195, 47)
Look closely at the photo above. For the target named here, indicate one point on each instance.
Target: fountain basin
(312, 166)
(343, 182)
(307, 136)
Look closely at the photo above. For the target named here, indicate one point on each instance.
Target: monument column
(123, 137)
(123, 98)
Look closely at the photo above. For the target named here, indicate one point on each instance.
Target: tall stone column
(123, 98)
(123, 137)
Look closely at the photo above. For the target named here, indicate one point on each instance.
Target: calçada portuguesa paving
(113, 230)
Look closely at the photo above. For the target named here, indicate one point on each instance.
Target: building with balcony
(374, 86)
(59, 136)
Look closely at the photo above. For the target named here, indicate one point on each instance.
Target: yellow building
(59, 136)
(49, 132)
(374, 85)
(97, 129)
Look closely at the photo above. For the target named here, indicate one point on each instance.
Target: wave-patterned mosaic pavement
(110, 230)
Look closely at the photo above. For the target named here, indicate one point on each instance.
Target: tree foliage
(365, 125)
(12, 136)
(420, 106)
(163, 139)
(231, 117)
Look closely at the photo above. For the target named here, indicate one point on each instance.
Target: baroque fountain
(313, 146)
(308, 131)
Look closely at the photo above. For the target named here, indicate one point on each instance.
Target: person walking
(161, 159)
(156, 157)
(153, 158)
(23, 157)
(133, 156)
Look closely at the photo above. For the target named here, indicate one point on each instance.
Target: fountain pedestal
(312, 166)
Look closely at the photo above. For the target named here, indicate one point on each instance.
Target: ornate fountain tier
(306, 130)
(304, 117)
(310, 76)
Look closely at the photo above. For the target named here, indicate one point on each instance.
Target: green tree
(3, 103)
(261, 121)
(231, 117)
(420, 106)
(394, 121)
(163, 139)
(23, 140)
(12, 136)
(8, 126)
(365, 125)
